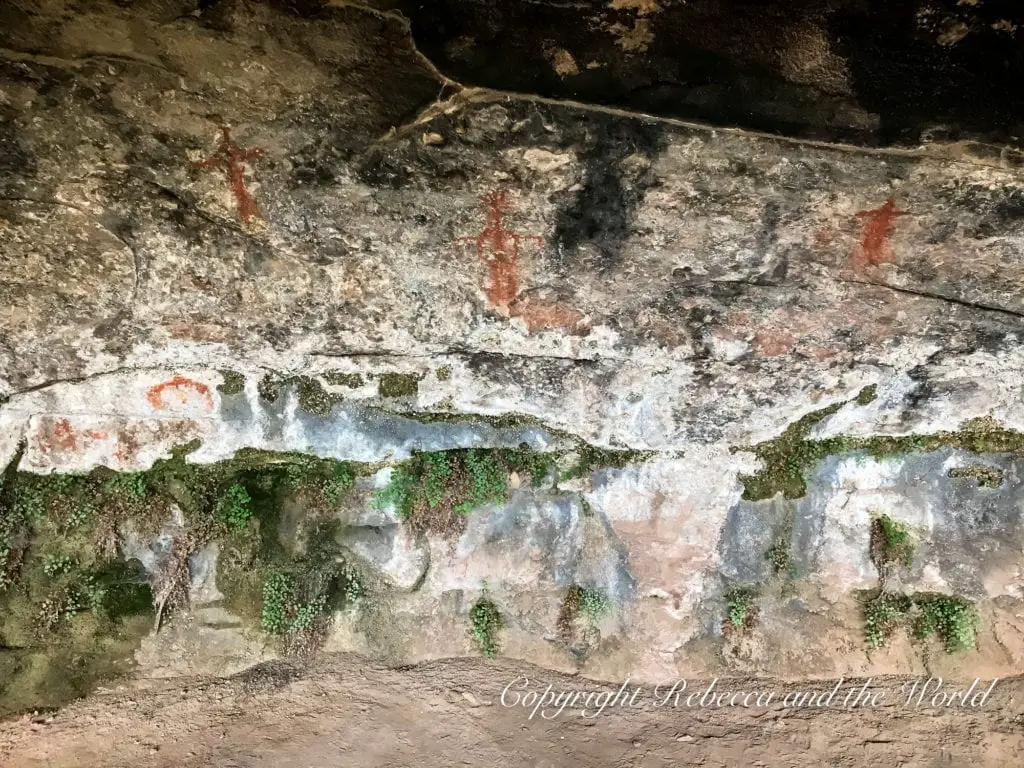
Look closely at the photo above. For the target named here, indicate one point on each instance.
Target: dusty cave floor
(343, 710)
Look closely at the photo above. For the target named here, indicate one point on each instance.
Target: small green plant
(399, 493)
(354, 590)
(57, 565)
(307, 613)
(883, 614)
(95, 595)
(437, 470)
(130, 484)
(436, 491)
(740, 609)
(952, 618)
(78, 515)
(233, 510)
(487, 622)
(488, 481)
(277, 595)
(322, 481)
(29, 503)
(594, 605)
(891, 542)
(524, 461)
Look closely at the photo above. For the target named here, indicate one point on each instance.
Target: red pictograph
(178, 390)
(499, 249)
(877, 227)
(232, 159)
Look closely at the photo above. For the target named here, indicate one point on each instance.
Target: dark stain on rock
(381, 168)
(1006, 215)
(617, 160)
(915, 77)
(748, 63)
(984, 211)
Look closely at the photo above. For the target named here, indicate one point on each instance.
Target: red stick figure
(499, 249)
(230, 157)
(877, 226)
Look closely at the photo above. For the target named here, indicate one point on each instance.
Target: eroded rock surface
(260, 228)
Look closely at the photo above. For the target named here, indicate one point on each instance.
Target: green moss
(486, 621)
(791, 456)
(64, 602)
(591, 458)
(778, 556)
(399, 384)
(786, 458)
(867, 395)
(313, 398)
(986, 477)
(891, 543)
(233, 384)
(444, 373)
(339, 379)
(594, 604)
(69, 616)
(269, 387)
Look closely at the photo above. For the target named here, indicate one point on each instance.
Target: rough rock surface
(631, 281)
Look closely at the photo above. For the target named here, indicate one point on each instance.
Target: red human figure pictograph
(499, 249)
(232, 159)
(877, 226)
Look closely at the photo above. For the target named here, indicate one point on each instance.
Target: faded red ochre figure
(877, 226)
(232, 159)
(499, 249)
(157, 395)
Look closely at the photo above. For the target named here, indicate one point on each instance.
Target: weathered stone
(389, 262)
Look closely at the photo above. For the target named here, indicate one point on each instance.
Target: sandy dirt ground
(345, 711)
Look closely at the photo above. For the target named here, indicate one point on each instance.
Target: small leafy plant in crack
(950, 618)
(891, 544)
(883, 614)
(586, 605)
(740, 611)
(486, 621)
(297, 604)
(435, 492)
(986, 477)
(779, 558)
(233, 511)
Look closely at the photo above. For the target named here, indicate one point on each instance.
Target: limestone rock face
(193, 194)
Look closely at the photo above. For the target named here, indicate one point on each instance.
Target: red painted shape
(877, 226)
(182, 386)
(64, 436)
(232, 159)
(499, 249)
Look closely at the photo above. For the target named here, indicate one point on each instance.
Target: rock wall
(257, 227)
